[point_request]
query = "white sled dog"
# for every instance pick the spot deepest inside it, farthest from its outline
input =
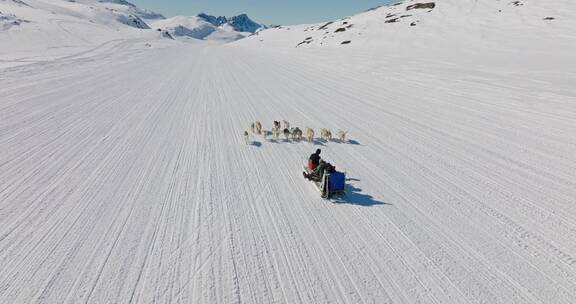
(309, 134)
(246, 137)
(253, 128)
(258, 127)
(342, 135)
(276, 129)
(325, 134)
(276, 132)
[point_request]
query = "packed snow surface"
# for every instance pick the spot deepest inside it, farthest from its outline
(125, 178)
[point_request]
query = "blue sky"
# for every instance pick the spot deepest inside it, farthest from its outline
(268, 12)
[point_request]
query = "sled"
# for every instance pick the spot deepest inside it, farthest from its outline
(331, 184)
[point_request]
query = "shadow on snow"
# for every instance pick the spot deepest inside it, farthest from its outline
(316, 142)
(354, 196)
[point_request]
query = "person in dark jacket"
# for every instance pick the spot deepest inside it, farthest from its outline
(317, 174)
(314, 160)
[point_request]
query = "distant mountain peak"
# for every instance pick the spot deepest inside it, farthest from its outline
(216, 21)
(240, 23)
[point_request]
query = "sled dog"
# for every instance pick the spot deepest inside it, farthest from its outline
(325, 134)
(342, 135)
(246, 137)
(286, 134)
(296, 133)
(276, 129)
(309, 134)
(258, 127)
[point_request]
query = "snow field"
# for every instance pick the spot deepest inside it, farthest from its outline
(137, 186)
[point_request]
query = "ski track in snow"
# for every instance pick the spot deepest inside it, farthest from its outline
(124, 178)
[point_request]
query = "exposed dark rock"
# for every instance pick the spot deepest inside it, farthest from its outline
(549, 18)
(429, 5)
(346, 42)
(307, 41)
(325, 25)
(167, 35)
(340, 30)
(242, 23)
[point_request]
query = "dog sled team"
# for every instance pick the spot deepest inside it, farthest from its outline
(328, 181)
(283, 129)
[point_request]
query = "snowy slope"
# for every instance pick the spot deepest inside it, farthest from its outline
(407, 27)
(43, 29)
(124, 177)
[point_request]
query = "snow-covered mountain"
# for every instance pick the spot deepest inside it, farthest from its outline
(420, 25)
(241, 23)
(58, 27)
(47, 28)
(209, 27)
(137, 11)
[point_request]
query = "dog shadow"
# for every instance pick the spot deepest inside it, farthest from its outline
(352, 142)
(354, 196)
(256, 144)
(319, 142)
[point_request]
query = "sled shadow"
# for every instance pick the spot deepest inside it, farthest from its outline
(354, 196)
(256, 144)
